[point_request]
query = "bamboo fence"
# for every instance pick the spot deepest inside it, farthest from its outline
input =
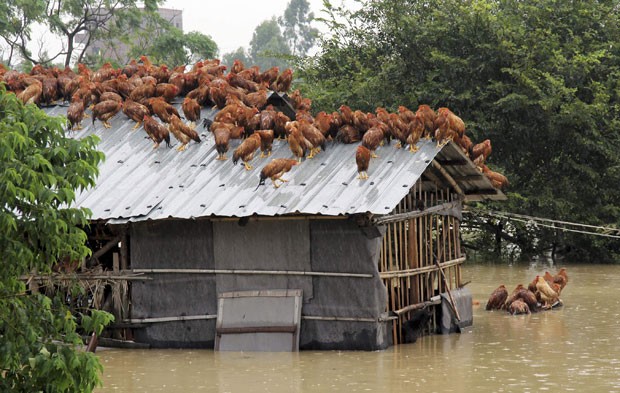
(410, 246)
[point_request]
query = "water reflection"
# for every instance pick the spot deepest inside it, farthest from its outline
(574, 348)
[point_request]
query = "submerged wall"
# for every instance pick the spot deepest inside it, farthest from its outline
(338, 246)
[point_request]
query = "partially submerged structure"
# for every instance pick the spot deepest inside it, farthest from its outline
(178, 229)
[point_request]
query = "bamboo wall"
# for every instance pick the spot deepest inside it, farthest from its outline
(410, 246)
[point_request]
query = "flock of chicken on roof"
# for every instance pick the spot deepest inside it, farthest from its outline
(541, 294)
(143, 91)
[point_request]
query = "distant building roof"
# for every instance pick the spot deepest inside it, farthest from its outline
(137, 182)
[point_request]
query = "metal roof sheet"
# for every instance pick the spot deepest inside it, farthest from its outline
(137, 182)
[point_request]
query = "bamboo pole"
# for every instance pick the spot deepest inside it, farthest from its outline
(264, 272)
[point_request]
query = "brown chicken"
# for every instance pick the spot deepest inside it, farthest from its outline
(49, 92)
(482, 149)
(405, 114)
(162, 109)
(191, 109)
(182, 132)
(105, 110)
(245, 151)
(518, 307)
(237, 66)
(513, 296)
(266, 141)
(296, 141)
(415, 130)
(143, 92)
(498, 298)
(270, 76)
(497, 179)
(32, 93)
(135, 111)
(279, 125)
(257, 99)
(428, 116)
(561, 278)
(283, 83)
(372, 139)
(449, 127)
(326, 123)
(314, 136)
(110, 95)
(156, 131)
(167, 91)
(362, 159)
(222, 137)
(75, 114)
(236, 80)
(275, 170)
(348, 134)
(399, 130)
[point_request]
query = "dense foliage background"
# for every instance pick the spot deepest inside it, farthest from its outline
(40, 343)
(537, 77)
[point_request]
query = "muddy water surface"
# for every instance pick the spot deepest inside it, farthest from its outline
(574, 348)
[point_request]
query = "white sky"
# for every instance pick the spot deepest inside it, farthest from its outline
(231, 23)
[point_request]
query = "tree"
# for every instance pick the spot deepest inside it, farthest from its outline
(298, 32)
(539, 78)
(15, 26)
(240, 54)
(41, 170)
(68, 19)
(268, 47)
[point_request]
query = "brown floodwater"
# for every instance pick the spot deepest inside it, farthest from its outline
(573, 348)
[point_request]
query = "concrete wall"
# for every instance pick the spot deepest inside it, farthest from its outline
(299, 245)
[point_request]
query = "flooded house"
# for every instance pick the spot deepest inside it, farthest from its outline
(190, 253)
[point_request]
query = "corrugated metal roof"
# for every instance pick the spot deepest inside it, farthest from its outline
(137, 182)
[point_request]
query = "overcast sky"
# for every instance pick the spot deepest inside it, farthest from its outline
(231, 23)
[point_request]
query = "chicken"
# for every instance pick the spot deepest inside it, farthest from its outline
(326, 123)
(167, 91)
(105, 110)
(405, 114)
(498, 298)
(156, 131)
(497, 179)
(110, 95)
(275, 170)
(547, 294)
(346, 115)
(237, 66)
(267, 118)
(75, 114)
(257, 99)
(561, 278)
(135, 111)
(182, 132)
(222, 137)
(518, 307)
(348, 134)
(245, 151)
(313, 135)
(449, 127)
(532, 286)
(372, 139)
(270, 76)
(279, 125)
(399, 130)
(236, 80)
(142, 93)
(162, 109)
(296, 141)
(32, 93)
(283, 83)
(428, 115)
(362, 159)
(415, 131)
(191, 109)
(482, 149)
(49, 90)
(513, 296)
(266, 140)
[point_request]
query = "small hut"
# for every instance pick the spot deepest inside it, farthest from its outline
(177, 231)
